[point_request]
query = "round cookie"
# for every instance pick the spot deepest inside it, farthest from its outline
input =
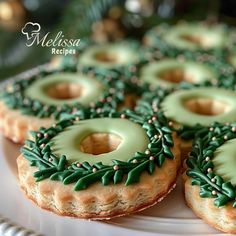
(110, 56)
(196, 36)
(191, 109)
(100, 165)
(30, 103)
(171, 72)
(120, 59)
(189, 38)
(200, 105)
(210, 178)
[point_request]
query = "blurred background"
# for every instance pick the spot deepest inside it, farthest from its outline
(103, 20)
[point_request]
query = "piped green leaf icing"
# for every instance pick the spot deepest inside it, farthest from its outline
(127, 71)
(14, 95)
(201, 167)
(156, 39)
(151, 101)
(157, 47)
(40, 154)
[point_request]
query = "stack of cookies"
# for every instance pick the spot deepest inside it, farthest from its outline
(107, 132)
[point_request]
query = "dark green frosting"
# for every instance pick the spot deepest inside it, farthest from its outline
(40, 154)
(202, 167)
(157, 47)
(127, 72)
(156, 39)
(153, 99)
(15, 95)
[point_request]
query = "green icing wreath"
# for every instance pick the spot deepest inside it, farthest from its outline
(201, 167)
(214, 58)
(224, 72)
(207, 140)
(151, 101)
(15, 98)
(158, 42)
(39, 153)
(127, 72)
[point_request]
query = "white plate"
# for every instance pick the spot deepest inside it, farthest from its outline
(170, 217)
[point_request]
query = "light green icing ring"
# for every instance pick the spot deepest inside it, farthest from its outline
(213, 36)
(199, 72)
(174, 109)
(134, 139)
(124, 55)
(225, 161)
(92, 89)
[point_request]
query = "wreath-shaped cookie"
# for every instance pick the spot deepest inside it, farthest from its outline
(119, 58)
(30, 103)
(170, 72)
(191, 107)
(161, 69)
(210, 181)
(191, 38)
(100, 165)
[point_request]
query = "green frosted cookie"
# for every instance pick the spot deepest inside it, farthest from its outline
(201, 106)
(91, 146)
(29, 103)
(109, 56)
(50, 93)
(99, 165)
(196, 36)
(190, 107)
(65, 88)
(212, 161)
(210, 182)
(190, 37)
(171, 72)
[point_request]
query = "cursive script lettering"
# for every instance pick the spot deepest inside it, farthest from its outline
(58, 41)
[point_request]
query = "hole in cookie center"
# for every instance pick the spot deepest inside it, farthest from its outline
(192, 39)
(176, 75)
(65, 91)
(100, 143)
(105, 57)
(207, 106)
